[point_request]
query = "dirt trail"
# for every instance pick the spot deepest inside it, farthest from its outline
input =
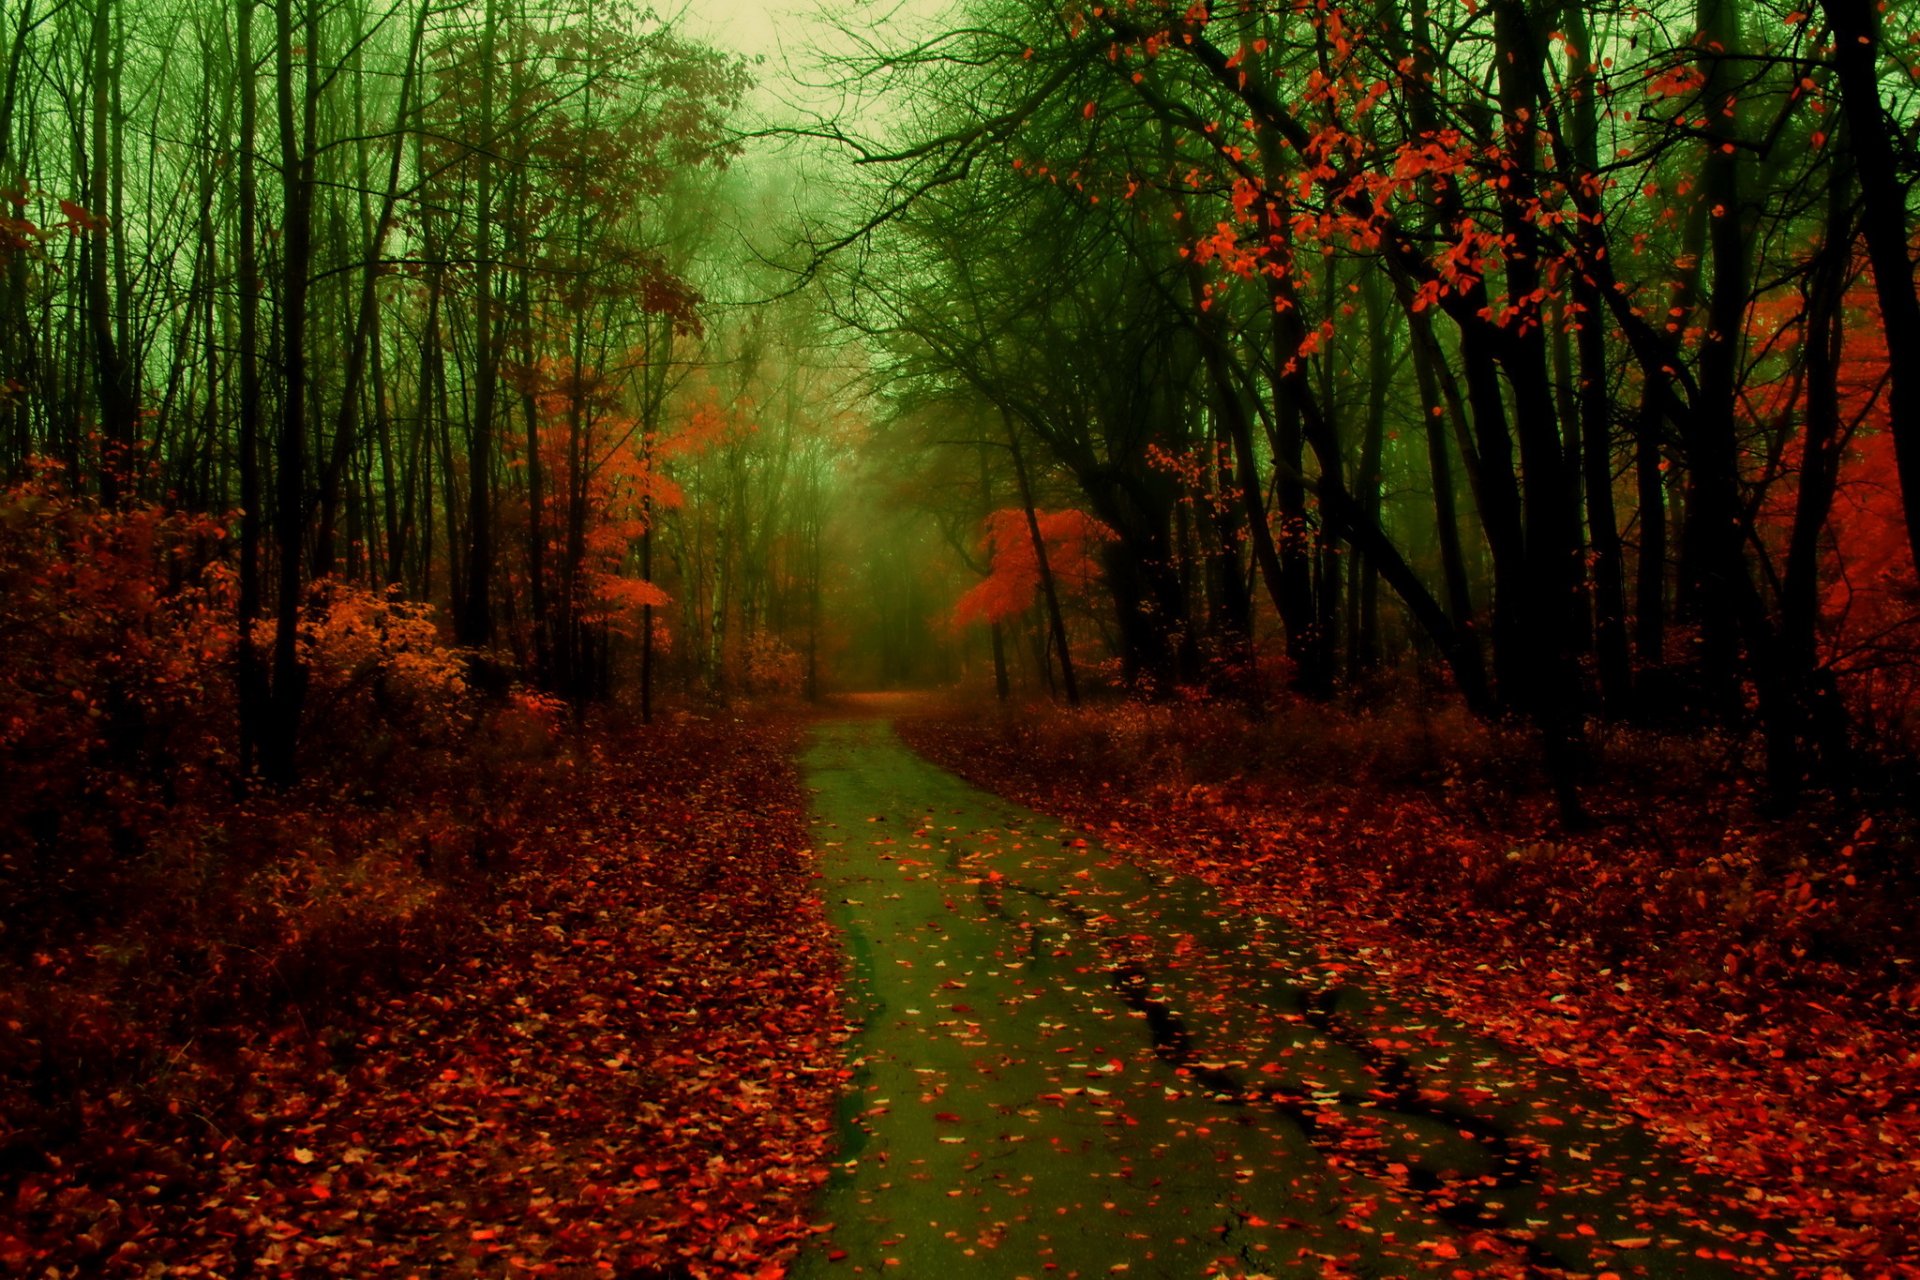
(1068, 1065)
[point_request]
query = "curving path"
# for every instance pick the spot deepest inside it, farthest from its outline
(1068, 1065)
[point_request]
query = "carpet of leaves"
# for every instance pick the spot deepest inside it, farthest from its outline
(1746, 986)
(612, 1062)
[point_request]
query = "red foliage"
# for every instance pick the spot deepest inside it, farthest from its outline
(17, 233)
(1869, 598)
(1072, 538)
(474, 995)
(113, 702)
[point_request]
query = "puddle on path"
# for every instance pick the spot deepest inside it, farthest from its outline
(1067, 1065)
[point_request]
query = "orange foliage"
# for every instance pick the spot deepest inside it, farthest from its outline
(622, 482)
(1072, 540)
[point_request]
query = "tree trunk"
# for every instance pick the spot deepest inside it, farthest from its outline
(118, 412)
(252, 673)
(1885, 221)
(1810, 709)
(474, 623)
(281, 731)
(344, 431)
(1055, 620)
(1611, 653)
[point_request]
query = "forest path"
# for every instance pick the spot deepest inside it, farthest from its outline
(1069, 1065)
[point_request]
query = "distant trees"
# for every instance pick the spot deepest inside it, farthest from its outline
(1529, 316)
(1565, 349)
(408, 287)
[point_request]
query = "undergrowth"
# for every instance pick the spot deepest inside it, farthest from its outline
(378, 1019)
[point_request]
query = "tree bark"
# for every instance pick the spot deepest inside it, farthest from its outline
(1068, 681)
(474, 623)
(296, 120)
(119, 413)
(251, 672)
(1885, 223)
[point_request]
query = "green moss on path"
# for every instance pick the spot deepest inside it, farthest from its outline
(1069, 1065)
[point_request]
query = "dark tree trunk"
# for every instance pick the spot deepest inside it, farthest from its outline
(474, 616)
(1885, 222)
(282, 729)
(252, 673)
(1810, 708)
(1055, 620)
(119, 413)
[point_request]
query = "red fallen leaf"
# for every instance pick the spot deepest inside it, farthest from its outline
(946, 1117)
(320, 1190)
(834, 1255)
(484, 1233)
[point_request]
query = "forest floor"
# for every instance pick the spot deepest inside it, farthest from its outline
(1743, 986)
(570, 1003)
(614, 1053)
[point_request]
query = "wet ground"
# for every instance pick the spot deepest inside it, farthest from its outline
(1069, 1065)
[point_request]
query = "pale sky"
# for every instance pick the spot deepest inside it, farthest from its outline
(767, 27)
(790, 34)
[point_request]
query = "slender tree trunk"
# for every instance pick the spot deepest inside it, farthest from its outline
(1811, 708)
(1613, 657)
(1229, 591)
(1001, 687)
(1650, 591)
(1055, 620)
(296, 175)
(475, 615)
(1886, 222)
(118, 411)
(252, 672)
(383, 439)
(1714, 571)
(16, 431)
(646, 614)
(537, 595)
(364, 315)
(1437, 409)
(1292, 587)
(1364, 594)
